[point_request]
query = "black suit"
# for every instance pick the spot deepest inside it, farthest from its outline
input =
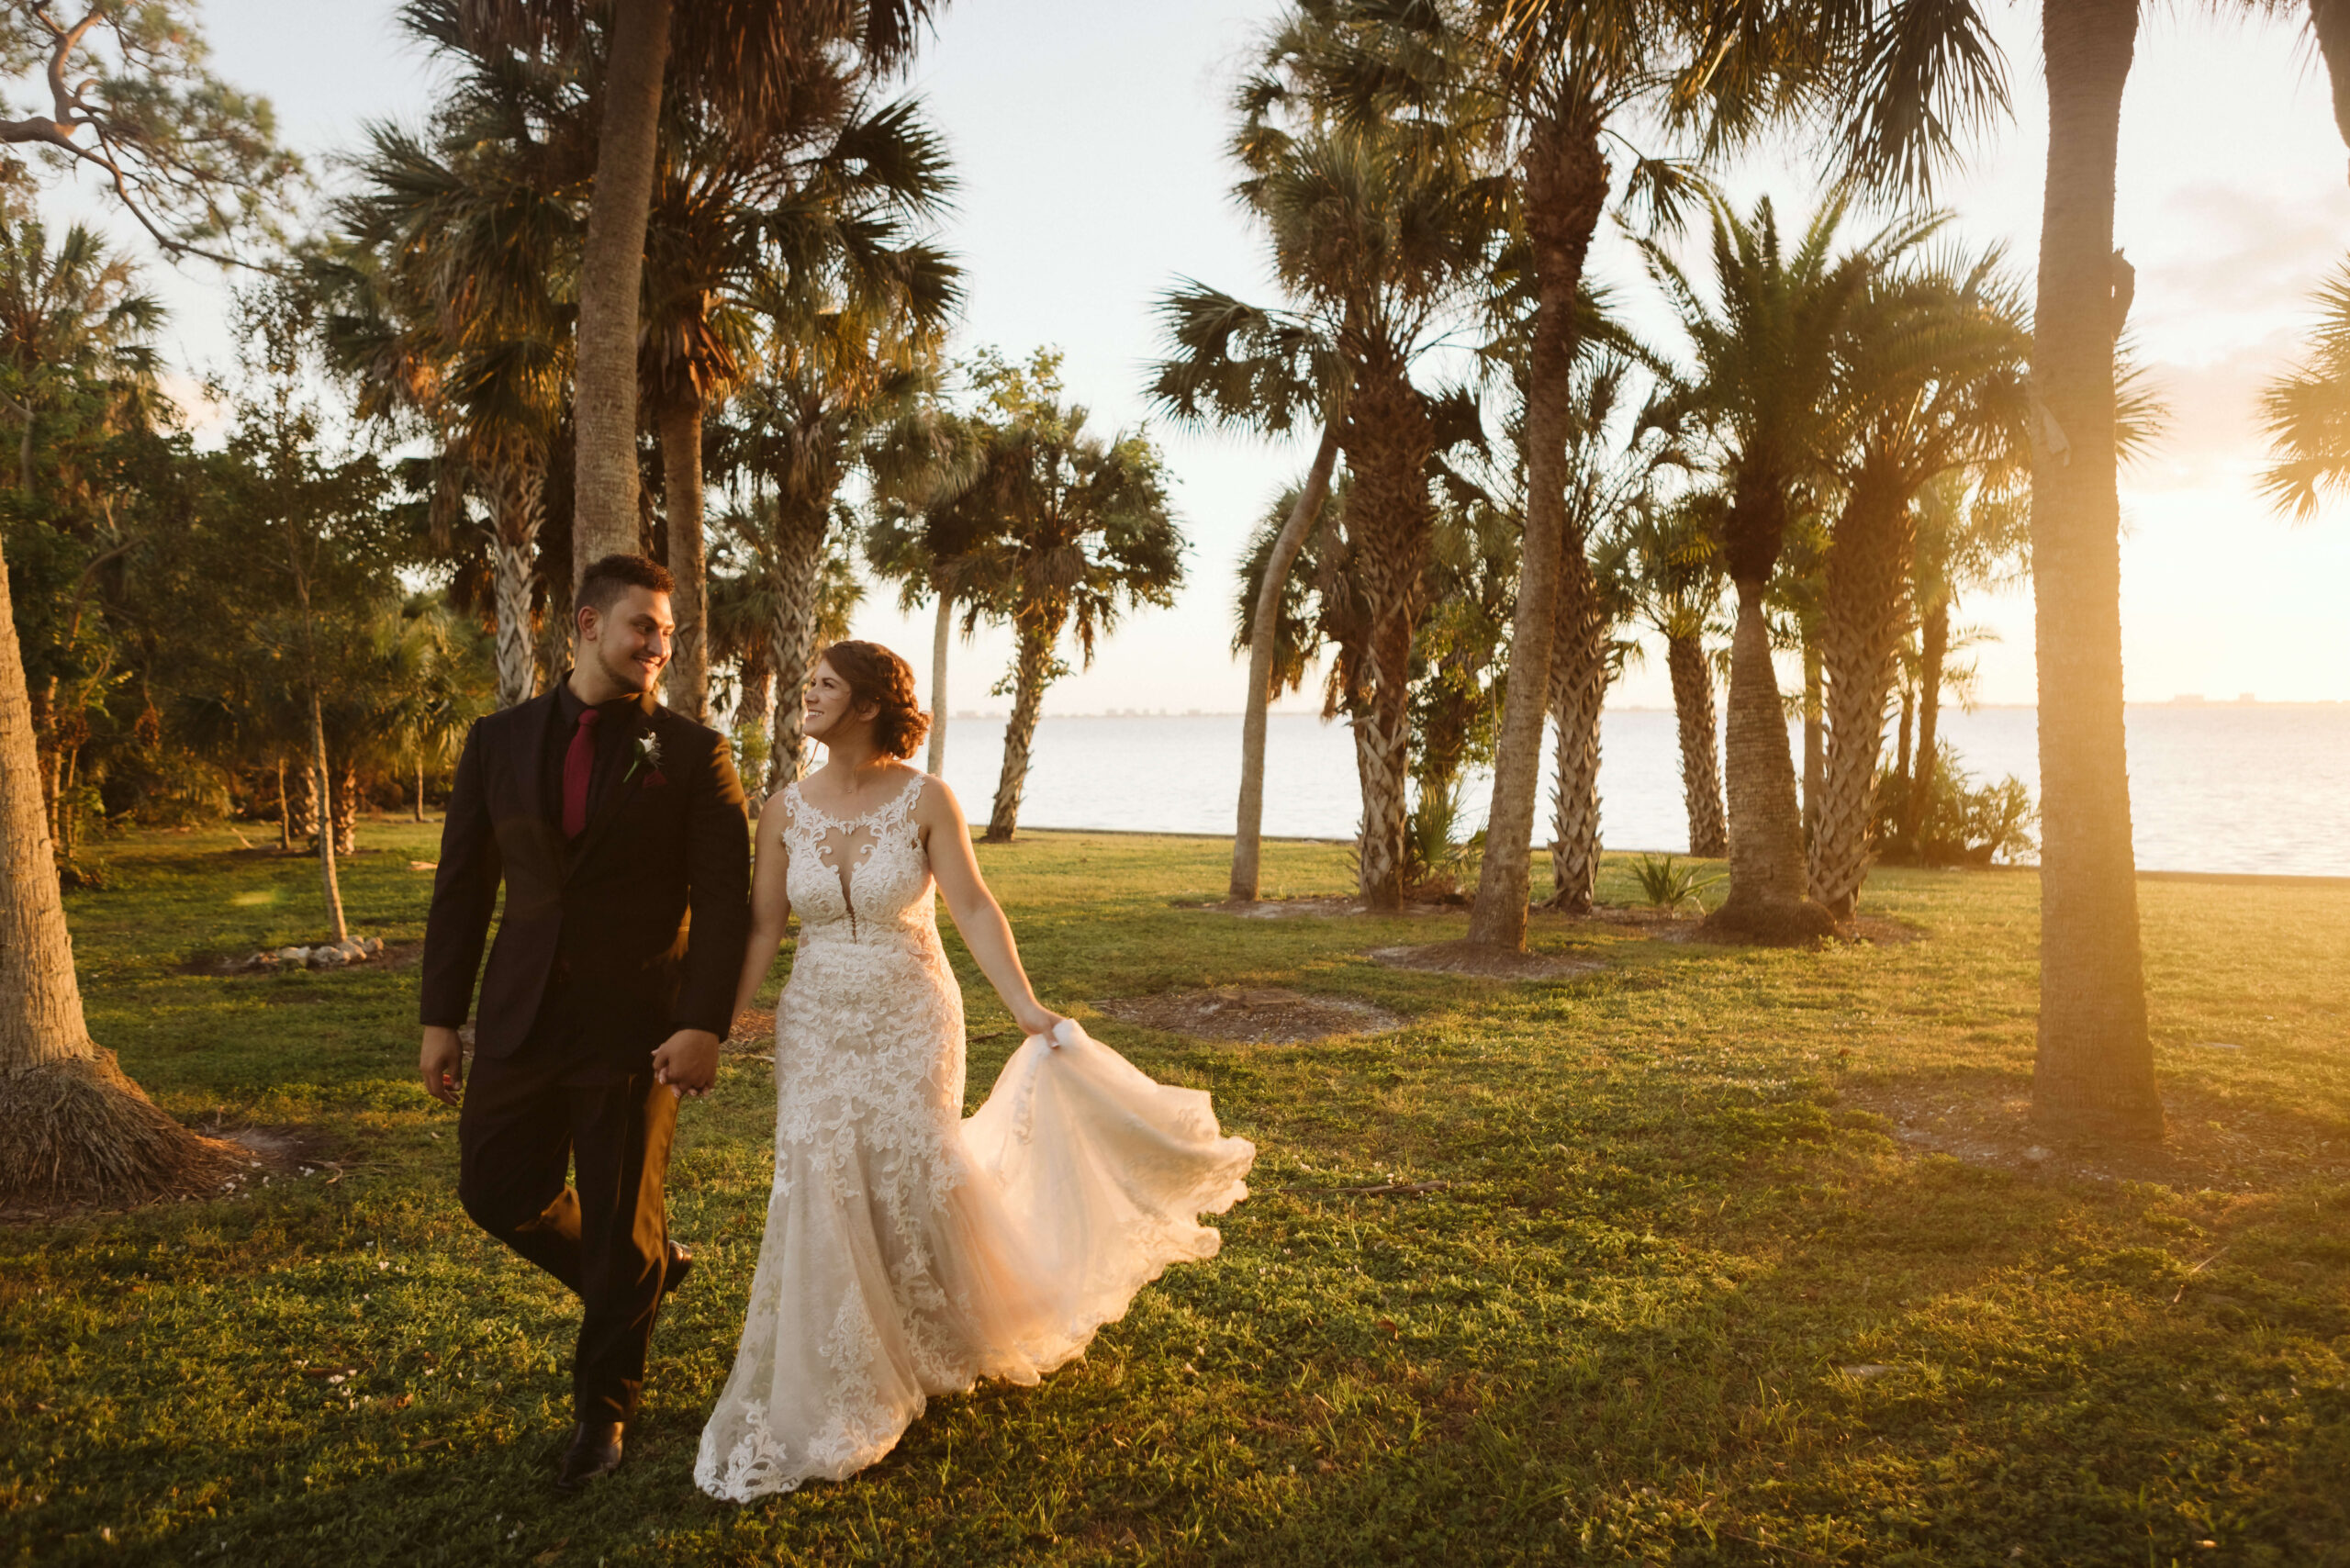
(591, 971)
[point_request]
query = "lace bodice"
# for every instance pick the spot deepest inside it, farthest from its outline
(861, 879)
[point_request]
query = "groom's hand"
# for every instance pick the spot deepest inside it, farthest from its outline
(687, 1062)
(443, 1063)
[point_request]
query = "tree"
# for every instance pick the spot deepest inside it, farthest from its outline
(1383, 234)
(750, 64)
(1086, 536)
(2306, 412)
(1766, 396)
(1668, 557)
(193, 160)
(1238, 366)
(1935, 365)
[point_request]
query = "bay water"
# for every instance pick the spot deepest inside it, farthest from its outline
(2231, 788)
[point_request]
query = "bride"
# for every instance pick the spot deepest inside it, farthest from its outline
(909, 1251)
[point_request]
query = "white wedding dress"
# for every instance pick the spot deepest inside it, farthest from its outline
(908, 1252)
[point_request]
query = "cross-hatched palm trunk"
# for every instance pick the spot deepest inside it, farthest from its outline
(611, 274)
(1032, 672)
(1578, 692)
(72, 1125)
(795, 562)
(517, 487)
(1566, 188)
(688, 687)
(1864, 618)
(1248, 828)
(1767, 875)
(1693, 710)
(2094, 1069)
(1388, 445)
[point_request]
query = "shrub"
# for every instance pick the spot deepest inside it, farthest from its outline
(1965, 824)
(1667, 883)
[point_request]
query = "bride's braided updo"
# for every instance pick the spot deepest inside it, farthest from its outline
(878, 677)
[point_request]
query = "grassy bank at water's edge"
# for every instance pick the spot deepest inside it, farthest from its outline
(1739, 1258)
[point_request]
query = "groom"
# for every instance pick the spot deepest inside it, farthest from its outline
(617, 829)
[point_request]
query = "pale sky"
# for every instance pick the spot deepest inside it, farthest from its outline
(1088, 141)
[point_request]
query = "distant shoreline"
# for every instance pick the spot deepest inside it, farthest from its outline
(2267, 878)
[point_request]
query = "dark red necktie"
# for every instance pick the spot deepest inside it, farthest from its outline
(578, 766)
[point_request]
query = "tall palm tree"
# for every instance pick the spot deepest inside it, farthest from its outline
(1935, 365)
(1383, 234)
(1239, 366)
(2306, 413)
(1086, 536)
(931, 526)
(1668, 557)
(751, 63)
(1767, 392)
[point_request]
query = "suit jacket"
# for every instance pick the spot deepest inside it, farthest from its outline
(667, 851)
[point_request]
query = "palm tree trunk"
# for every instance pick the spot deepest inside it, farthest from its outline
(940, 636)
(305, 805)
(1248, 837)
(1902, 732)
(1814, 740)
(326, 828)
(420, 785)
(345, 798)
(1566, 187)
(758, 688)
(1388, 441)
(517, 664)
(72, 1125)
(1034, 672)
(1860, 648)
(795, 564)
(611, 273)
(1933, 650)
(2094, 1072)
(284, 809)
(1578, 693)
(1693, 710)
(1766, 901)
(689, 684)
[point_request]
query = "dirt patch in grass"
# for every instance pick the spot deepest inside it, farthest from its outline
(2209, 1141)
(1261, 1015)
(1470, 958)
(754, 1033)
(1670, 926)
(231, 965)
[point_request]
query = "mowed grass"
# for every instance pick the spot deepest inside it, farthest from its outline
(1618, 1334)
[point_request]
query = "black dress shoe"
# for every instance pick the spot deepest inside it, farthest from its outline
(595, 1452)
(681, 1263)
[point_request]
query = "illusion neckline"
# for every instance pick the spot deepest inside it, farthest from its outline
(862, 818)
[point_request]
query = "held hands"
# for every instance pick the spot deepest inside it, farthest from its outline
(441, 1063)
(688, 1063)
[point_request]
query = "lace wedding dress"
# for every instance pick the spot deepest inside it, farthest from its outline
(908, 1252)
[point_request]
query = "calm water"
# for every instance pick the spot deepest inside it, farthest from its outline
(2215, 789)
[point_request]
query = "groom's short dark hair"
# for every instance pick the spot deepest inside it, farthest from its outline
(606, 580)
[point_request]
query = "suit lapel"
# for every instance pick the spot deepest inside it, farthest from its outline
(530, 739)
(623, 787)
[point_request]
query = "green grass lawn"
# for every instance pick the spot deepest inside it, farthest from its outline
(1680, 1201)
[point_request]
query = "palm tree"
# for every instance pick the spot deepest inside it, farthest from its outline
(929, 533)
(1935, 363)
(751, 63)
(1382, 235)
(1668, 558)
(1085, 535)
(1548, 86)
(1239, 366)
(1768, 393)
(2306, 412)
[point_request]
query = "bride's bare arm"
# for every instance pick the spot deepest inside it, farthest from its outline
(976, 915)
(770, 903)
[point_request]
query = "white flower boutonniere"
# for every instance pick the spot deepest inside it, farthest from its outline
(647, 757)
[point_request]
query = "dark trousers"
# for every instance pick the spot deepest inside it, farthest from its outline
(525, 1121)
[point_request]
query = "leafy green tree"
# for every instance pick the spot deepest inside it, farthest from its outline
(1086, 536)
(1667, 557)
(1768, 408)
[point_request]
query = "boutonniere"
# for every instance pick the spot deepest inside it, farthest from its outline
(646, 759)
